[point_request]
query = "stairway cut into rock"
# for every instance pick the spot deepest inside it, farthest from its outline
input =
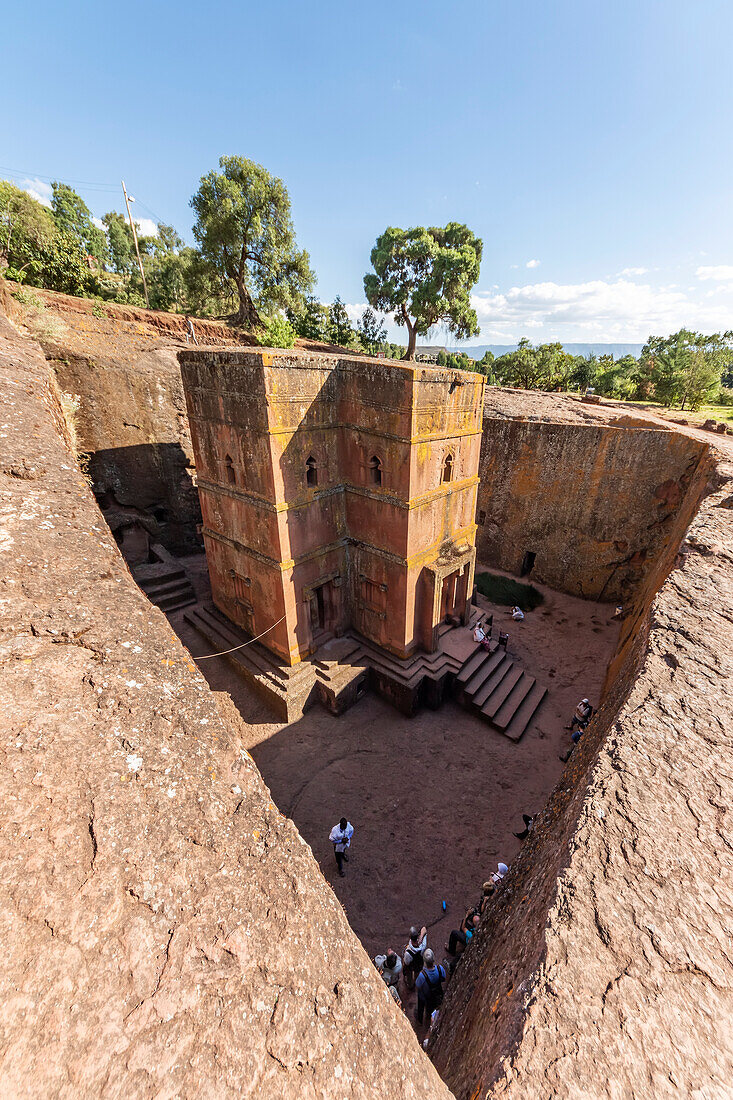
(495, 686)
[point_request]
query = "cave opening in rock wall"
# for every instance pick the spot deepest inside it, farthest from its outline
(591, 513)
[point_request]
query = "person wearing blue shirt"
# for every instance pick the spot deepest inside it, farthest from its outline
(429, 986)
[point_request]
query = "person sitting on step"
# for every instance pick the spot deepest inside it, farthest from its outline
(461, 936)
(582, 716)
(479, 636)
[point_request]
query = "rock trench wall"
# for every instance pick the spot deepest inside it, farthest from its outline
(165, 930)
(131, 422)
(595, 503)
(603, 968)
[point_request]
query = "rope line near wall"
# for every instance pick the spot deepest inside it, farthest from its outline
(236, 647)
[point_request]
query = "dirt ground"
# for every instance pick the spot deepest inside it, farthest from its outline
(435, 799)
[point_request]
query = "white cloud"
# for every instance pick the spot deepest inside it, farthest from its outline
(38, 190)
(532, 263)
(722, 272)
(627, 271)
(601, 310)
(146, 227)
(98, 222)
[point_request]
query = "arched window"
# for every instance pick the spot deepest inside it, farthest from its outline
(448, 467)
(231, 472)
(311, 471)
(375, 470)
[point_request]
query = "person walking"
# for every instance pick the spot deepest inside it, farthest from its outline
(190, 334)
(340, 836)
(429, 986)
(412, 958)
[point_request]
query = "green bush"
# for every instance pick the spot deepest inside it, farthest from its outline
(28, 298)
(505, 591)
(278, 333)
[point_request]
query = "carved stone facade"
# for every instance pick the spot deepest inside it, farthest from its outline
(336, 494)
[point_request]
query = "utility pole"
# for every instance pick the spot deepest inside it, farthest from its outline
(134, 236)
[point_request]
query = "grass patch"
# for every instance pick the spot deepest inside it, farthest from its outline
(505, 591)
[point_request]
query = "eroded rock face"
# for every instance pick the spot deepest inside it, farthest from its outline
(165, 930)
(594, 504)
(604, 968)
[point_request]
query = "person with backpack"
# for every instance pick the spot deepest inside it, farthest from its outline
(412, 958)
(429, 986)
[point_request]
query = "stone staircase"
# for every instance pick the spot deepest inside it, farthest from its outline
(496, 687)
(489, 683)
(288, 689)
(164, 581)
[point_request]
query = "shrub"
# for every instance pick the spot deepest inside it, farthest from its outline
(505, 591)
(278, 333)
(28, 298)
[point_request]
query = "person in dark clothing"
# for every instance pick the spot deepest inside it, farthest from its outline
(462, 935)
(528, 822)
(412, 960)
(429, 986)
(574, 737)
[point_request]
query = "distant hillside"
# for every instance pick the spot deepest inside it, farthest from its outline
(617, 350)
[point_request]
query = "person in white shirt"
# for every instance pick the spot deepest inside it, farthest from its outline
(498, 875)
(390, 967)
(340, 836)
(582, 716)
(479, 636)
(517, 614)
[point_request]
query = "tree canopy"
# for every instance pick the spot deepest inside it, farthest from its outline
(425, 276)
(26, 232)
(685, 368)
(245, 234)
(73, 216)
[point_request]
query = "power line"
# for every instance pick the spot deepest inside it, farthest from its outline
(52, 179)
(101, 187)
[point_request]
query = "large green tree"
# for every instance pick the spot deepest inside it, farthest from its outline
(73, 216)
(425, 277)
(245, 233)
(121, 242)
(340, 331)
(685, 368)
(372, 331)
(26, 231)
(310, 321)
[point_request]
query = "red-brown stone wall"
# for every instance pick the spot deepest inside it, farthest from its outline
(594, 503)
(272, 411)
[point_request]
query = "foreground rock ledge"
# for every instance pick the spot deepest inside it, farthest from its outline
(166, 931)
(605, 968)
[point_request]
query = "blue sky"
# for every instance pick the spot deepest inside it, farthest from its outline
(588, 142)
